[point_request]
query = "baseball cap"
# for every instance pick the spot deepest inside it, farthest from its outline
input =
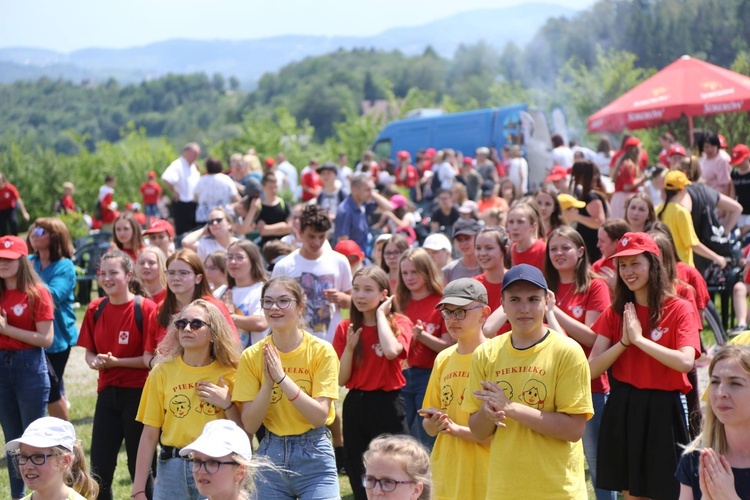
(676, 150)
(632, 142)
(383, 237)
(328, 166)
(634, 244)
(13, 247)
(350, 250)
(466, 226)
(739, 153)
(568, 201)
(483, 151)
(462, 292)
(269, 162)
(468, 160)
(430, 153)
(403, 155)
(488, 187)
(676, 179)
(398, 201)
(152, 175)
(46, 432)
(556, 173)
(219, 438)
(160, 226)
(468, 207)
(524, 272)
(437, 241)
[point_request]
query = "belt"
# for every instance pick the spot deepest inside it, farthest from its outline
(168, 452)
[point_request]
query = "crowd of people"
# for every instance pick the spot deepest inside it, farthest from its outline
(487, 340)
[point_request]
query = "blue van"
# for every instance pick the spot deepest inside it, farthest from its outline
(469, 130)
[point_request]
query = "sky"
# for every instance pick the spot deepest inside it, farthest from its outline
(74, 24)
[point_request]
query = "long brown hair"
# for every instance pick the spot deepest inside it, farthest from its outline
(425, 266)
(583, 273)
(292, 286)
(257, 272)
(358, 318)
(556, 218)
(658, 290)
(651, 218)
(202, 289)
(400, 241)
(137, 241)
(60, 244)
(27, 281)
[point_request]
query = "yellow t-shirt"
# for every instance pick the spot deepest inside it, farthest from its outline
(169, 400)
(680, 222)
(552, 376)
(313, 366)
(459, 467)
(741, 339)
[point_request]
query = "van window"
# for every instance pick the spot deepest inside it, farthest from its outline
(382, 149)
(513, 130)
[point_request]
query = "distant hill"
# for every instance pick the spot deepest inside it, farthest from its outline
(248, 60)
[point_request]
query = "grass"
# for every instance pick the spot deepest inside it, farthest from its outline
(80, 384)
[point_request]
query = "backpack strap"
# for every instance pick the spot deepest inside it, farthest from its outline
(100, 309)
(137, 311)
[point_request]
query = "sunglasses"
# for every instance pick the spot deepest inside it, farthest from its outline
(38, 231)
(195, 324)
(217, 220)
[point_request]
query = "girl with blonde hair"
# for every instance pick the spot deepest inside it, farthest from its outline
(151, 270)
(397, 465)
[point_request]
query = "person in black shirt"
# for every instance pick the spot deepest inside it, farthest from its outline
(446, 213)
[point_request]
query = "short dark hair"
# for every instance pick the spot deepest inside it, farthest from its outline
(268, 177)
(214, 166)
(316, 218)
(557, 141)
(108, 178)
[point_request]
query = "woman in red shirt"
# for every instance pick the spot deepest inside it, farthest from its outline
(151, 270)
(492, 248)
(128, 237)
(26, 327)
(525, 231)
(112, 336)
(419, 290)
(10, 200)
(371, 347)
(649, 338)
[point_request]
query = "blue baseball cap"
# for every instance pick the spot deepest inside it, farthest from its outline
(525, 272)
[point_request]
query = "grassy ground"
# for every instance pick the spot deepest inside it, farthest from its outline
(80, 384)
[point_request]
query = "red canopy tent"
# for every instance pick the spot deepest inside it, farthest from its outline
(688, 87)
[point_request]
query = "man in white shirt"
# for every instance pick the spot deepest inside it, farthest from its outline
(181, 176)
(290, 173)
(518, 170)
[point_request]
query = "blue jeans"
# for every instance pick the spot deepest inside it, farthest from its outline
(413, 393)
(306, 467)
(591, 440)
(174, 479)
(24, 389)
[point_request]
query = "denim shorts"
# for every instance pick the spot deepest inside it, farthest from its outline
(174, 480)
(305, 467)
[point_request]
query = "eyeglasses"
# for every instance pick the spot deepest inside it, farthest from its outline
(282, 303)
(211, 466)
(236, 257)
(393, 254)
(195, 324)
(36, 459)
(459, 314)
(217, 220)
(386, 485)
(38, 231)
(179, 274)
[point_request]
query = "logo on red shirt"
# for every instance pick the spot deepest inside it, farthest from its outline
(657, 333)
(123, 338)
(18, 308)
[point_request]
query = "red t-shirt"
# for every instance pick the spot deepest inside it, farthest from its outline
(108, 215)
(603, 262)
(534, 256)
(16, 306)
(412, 176)
(421, 356)
(677, 329)
(694, 278)
(8, 196)
(501, 169)
(626, 175)
(576, 305)
(494, 291)
(116, 331)
(310, 180)
(373, 371)
(150, 192)
(687, 292)
(643, 162)
(159, 297)
(67, 203)
(155, 332)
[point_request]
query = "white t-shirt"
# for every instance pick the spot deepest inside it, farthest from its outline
(330, 271)
(247, 300)
(208, 244)
(518, 172)
(184, 177)
(215, 190)
(562, 156)
(291, 175)
(345, 174)
(446, 173)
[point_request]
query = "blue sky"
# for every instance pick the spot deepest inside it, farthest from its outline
(68, 25)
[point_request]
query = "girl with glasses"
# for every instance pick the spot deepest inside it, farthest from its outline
(189, 387)
(216, 272)
(397, 467)
(151, 270)
(419, 290)
(127, 235)
(393, 249)
(51, 461)
(371, 345)
(242, 294)
(50, 241)
(287, 382)
(215, 235)
(112, 336)
(185, 283)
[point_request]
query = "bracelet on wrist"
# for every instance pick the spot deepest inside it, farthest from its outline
(151, 362)
(231, 404)
(138, 493)
(624, 344)
(299, 390)
(282, 379)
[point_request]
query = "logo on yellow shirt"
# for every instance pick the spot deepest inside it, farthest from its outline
(446, 397)
(179, 405)
(534, 394)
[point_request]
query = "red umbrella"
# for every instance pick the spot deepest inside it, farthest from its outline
(688, 87)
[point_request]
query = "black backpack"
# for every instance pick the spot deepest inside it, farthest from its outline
(137, 311)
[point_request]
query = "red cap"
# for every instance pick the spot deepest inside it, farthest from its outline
(556, 173)
(722, 142)
(632, 142)
(350, 250)
(160, 226)
(739, 153)
(468, 160)
(269, 162)
(676, 150)
(152, 175)
(128, 206)
(13, 247)
(430, 153)
(403, 155)
(634, 244)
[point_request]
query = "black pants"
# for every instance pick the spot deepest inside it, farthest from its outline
(367, 415)
(114, 420)
(184, 216)
(8, 222)
(56, 367)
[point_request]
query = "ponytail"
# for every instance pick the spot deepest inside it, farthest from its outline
(670, 193)
(78, 476)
